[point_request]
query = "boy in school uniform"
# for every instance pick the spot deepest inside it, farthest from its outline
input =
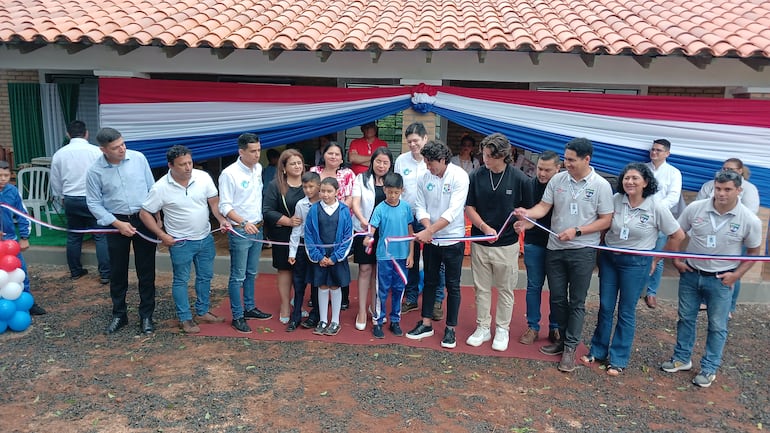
(311, 183)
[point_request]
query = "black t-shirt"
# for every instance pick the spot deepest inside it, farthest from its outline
(495, 196)
(533, 193)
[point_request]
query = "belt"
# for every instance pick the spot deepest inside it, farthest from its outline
(710, 274)
(126, 217)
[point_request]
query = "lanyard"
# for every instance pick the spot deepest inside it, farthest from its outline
(626, 217)
(714, 223)
(572, 192)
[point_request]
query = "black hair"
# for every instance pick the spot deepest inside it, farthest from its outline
(331, 181)
(393, 180)
(436, 150)
(416, 128)
(311, 176)
(581, 146)
(663, 142)
(106, 136)
(723, 176)
(647, 174)
(325, 149)
(377, 152)
(498, 145)
(176, 151)
(77, 129)
(247, 138)
(550, 155)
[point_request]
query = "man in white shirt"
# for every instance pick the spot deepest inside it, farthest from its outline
(69, 167)
(669, 193)
(185, 195)
(440, 205)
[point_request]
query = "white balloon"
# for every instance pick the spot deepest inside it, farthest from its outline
(11, 291)
(4, 278)
(17, 276)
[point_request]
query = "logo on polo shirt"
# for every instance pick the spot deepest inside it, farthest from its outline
(430, 186)
(245, 184)
(447, 189)
(407, 171)
(644, 218)
(734, 227)
(589, 193)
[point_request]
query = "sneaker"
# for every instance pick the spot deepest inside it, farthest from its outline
(479, 336)
(241, 326)
(408, 306)
(449, 341)
(377, 331)
(553, 349)
(320, 328)
(254, 313)
(528, 337)
(704, 380)
(673, 366)
(332, 329)
(396, 329)
(37, 310)
(438, 311)
(554, 335)
(420, 331)
(567, 363)
(500, 343)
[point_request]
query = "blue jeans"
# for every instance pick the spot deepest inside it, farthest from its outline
(412, 289)
(244, 266)
(184, 254)
(534, 261)
(653, 281)
(621, 281)
(694, 288)
(451, 256)
(569, 275)
(390, 282)
(79, 217)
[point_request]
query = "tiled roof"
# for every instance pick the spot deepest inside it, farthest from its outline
(642, 27)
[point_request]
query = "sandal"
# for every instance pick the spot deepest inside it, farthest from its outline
(590, 359)
(614, 371)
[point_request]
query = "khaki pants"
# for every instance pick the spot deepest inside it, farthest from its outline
(499, 267)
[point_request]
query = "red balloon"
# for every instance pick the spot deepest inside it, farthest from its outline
(9, 263)
(9, 247)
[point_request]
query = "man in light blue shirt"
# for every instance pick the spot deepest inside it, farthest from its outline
(116, 186)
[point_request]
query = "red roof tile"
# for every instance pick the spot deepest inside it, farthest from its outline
(656, 27)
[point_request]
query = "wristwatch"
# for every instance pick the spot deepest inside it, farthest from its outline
(578, 232)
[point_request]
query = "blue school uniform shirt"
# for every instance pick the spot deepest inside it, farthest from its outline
(392, 221)
(10, 196)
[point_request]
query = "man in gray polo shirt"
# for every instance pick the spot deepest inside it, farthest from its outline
(717, 226)
(582, 209)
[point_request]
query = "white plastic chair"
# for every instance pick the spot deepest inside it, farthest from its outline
(34, 187)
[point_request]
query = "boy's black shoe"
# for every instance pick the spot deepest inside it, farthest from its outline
(377, 331)
(395, 328)
(310, 323)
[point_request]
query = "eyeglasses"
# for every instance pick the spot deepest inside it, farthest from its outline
(727, 174)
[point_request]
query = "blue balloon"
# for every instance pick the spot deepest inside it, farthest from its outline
(7, 308)
(3, 326)
(24, 302)
(20, 321)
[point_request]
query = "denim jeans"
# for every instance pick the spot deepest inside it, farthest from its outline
(534, 261)
(184, 255)
(79, 217)
(653, 281)
(244, 266)
(694, 289)
(412, 289)
(451, 256)
(621, 281)
(569, 276)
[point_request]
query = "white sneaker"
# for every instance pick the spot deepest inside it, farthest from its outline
(500, 343)
(479, 336)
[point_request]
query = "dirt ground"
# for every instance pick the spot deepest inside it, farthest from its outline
(64, 375)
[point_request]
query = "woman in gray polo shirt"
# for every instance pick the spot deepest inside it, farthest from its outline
(622, 276)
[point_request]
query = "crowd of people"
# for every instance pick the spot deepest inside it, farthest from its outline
(403, 221)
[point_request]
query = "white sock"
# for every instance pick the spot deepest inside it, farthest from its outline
(336, 304)
(323, 304)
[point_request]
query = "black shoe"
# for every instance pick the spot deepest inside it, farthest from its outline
(553, 349)
(449, 341)
(104, 280)
(241, 326)
(79, 274)
(37, 310)
(254, 313)
(345, 306)
(395, 328)
(116, 324)
(420, 331)
(291, 327)
(310, 323)
(377, 331)
(147, 326)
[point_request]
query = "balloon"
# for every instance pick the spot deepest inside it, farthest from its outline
(17, 275)
(20, 321)
(4, 278)
(11, 291)
(3, 326)
(9, 263)
(10, 248)
(23, 302)
(7, 309)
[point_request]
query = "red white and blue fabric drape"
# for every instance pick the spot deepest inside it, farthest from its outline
(208, 117)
